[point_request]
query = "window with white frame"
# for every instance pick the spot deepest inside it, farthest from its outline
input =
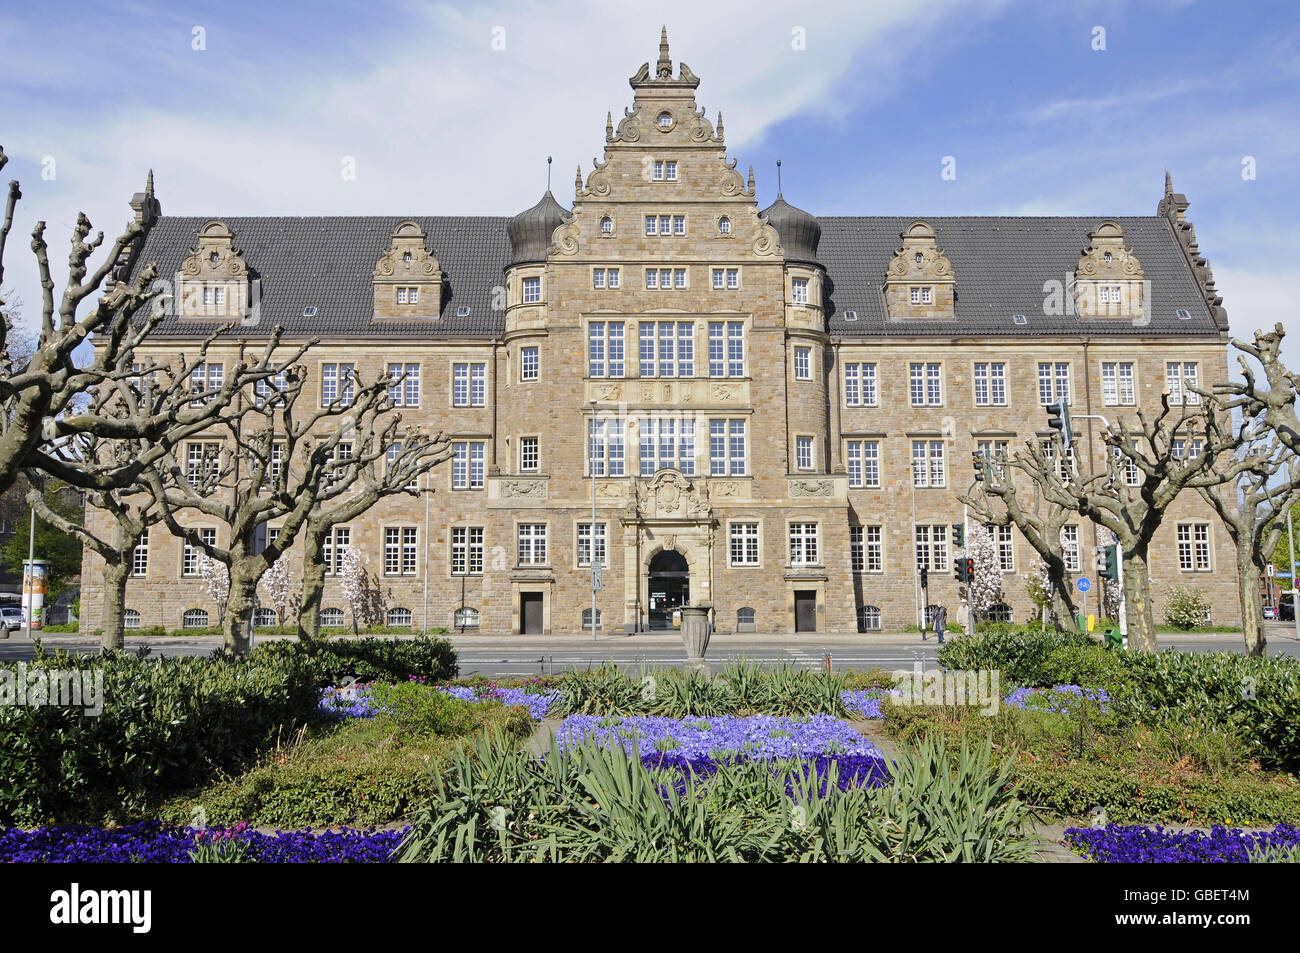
(269, 389)
(1070, 547)
(666, 349)
(213, 295)
(803, 363)
(195, 619)
(1186, 449)
(331, 618)
(1131, 475)
(400, 550)
(340, 456)
(667, 443)
(727, 447)
(866, 549)
(1053, 382)
(928, 466)
(529, 363)
(724, 225)
(931, 547)
(532, 290)
(337, 382)
(1117, 388)
(332, 550)
(606, 453)
(605, 355)
(1194, 547)
(467, 461)
(860, 385)
(467, 550)
(990, 384)
(995, 452)
(529, 454)
(869, 619)
(532, 544)
(864, 463)
(1006, 548)
(140, 556)
(799, 290)
(202, 461)
(605, 278)
(468, 385)
(726, 349)
(1066, 467)
(607, 226)
(404, 391)
(726, 279)
(803, 452)
(205, 381)
(584, 545)
(130, 619)
(665, 171)
(744, 545)
(190, 553)
(408, 294)
(1180, 378)
(398, 618)
(926, 384)
(803, 544)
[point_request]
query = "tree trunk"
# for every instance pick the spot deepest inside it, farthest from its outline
(237, 618)
(1252, 604)
(1062, 601)
(313, 585)
(1137, 599)
(112, 635)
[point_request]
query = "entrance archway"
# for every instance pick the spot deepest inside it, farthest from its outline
(670, 587)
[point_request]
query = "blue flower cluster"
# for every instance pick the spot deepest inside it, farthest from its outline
(853, 770)
(537, 705)
(862, 703)
(150, 842)
(1057, 699)
(351, 702)
(755, 737)
(1119, 844)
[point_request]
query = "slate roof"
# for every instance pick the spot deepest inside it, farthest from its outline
(1000, 264)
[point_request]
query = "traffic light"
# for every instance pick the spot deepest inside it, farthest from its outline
(1108, 562)
(959, 535)
(980, 463)
(1058, 418)
(970, 569)
(925, 578)
(963, 569)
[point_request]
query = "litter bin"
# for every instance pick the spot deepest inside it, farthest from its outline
(1113, 639)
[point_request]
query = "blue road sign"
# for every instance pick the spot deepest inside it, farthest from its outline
(1282, 575)
(1083, 585)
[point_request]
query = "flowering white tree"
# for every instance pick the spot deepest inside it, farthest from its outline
(217, 577)
(1038, 584)
(355, 584)
(278, 583)
(986, 587)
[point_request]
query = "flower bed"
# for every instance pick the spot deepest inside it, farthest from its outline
(852, 770)
(756, 737)
(1058, 699)
(355, 702)
(864, 703)
(151, 843)
(1118, 844)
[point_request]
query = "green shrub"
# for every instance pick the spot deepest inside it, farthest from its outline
(368, 660)
(857, 680)
(422, 709)
(167, 723)
(1019, 653)
(1187, 607)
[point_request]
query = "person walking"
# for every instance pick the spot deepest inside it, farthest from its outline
(940, 622)
(963, 613)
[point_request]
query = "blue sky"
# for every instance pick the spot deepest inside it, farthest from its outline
(453, 110)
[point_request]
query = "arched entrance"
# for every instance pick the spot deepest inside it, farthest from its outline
(670, 587)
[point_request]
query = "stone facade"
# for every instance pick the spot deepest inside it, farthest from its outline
(749, 301)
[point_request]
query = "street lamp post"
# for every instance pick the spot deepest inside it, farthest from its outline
(591, 534)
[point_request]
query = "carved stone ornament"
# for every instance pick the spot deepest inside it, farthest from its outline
(724, 393)
(523, 489)
(920, 258)
(802, 488)
(214, 256)
(1106, 257)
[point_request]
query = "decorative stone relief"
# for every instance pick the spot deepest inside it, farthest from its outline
(406, 264)
(804, 488)
(1108, 278)
(523, 489)
(919, 282)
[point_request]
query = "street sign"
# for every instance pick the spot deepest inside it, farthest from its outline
(1084, 584)
(595, 579)
(1283, 575)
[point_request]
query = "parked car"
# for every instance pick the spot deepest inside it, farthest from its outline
(1270, 612)
(11, 617)
(1286, 609)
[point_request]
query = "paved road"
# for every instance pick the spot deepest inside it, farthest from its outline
(501, 656)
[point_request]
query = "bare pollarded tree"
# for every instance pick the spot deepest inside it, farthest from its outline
(275, 466)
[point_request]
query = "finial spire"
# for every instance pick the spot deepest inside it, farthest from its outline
(148, 185)
(778, 178)
(577, 180)
(719, 123)
(548, 173)
(1169, 184)
(751, 180)
(609, 125)
(664, 68)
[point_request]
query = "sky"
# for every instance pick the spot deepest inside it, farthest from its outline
(1040, 108)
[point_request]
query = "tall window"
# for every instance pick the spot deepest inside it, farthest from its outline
(926, 384)
(140, 556)
(1194, 547)
(1053, 382)
(1070, 547)
(990, 384)
(605, 450)
(332, 550)
(744, 544)
(584, 544)
(467, 550)
(468, 385)
(529, 454)
(803, 544)
(928, 467)
(799, 290)
(1006, 548)
(190, 554)
(1128, 467)
(529, 363)
(667, 349)
(1180, 378)
(803, 364)
(803, 453)
(337, 382)
(202, 461)
(860, 385)
(532, 544)
(932, 547)
(205, 379)
(400, 550)
(1066, 465)
(726, 349)
(666, 443)
(467, 465)
(532, 290)
(1117, 384)
(866, 551)
(404, 391)
(268, 389)
(605, 349)
(727, 448)
(864, 463)
(995, 452)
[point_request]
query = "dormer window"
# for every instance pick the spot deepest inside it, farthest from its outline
(916, 296)
(214, 296)
(665, 172)
(1108, 281)
(919, 282)
(408, 294)
(407, 278)
(927, 295)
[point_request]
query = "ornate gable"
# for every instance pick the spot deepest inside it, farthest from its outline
(920, 282)
(407, 278)
(214, 277)
(1108, 279)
